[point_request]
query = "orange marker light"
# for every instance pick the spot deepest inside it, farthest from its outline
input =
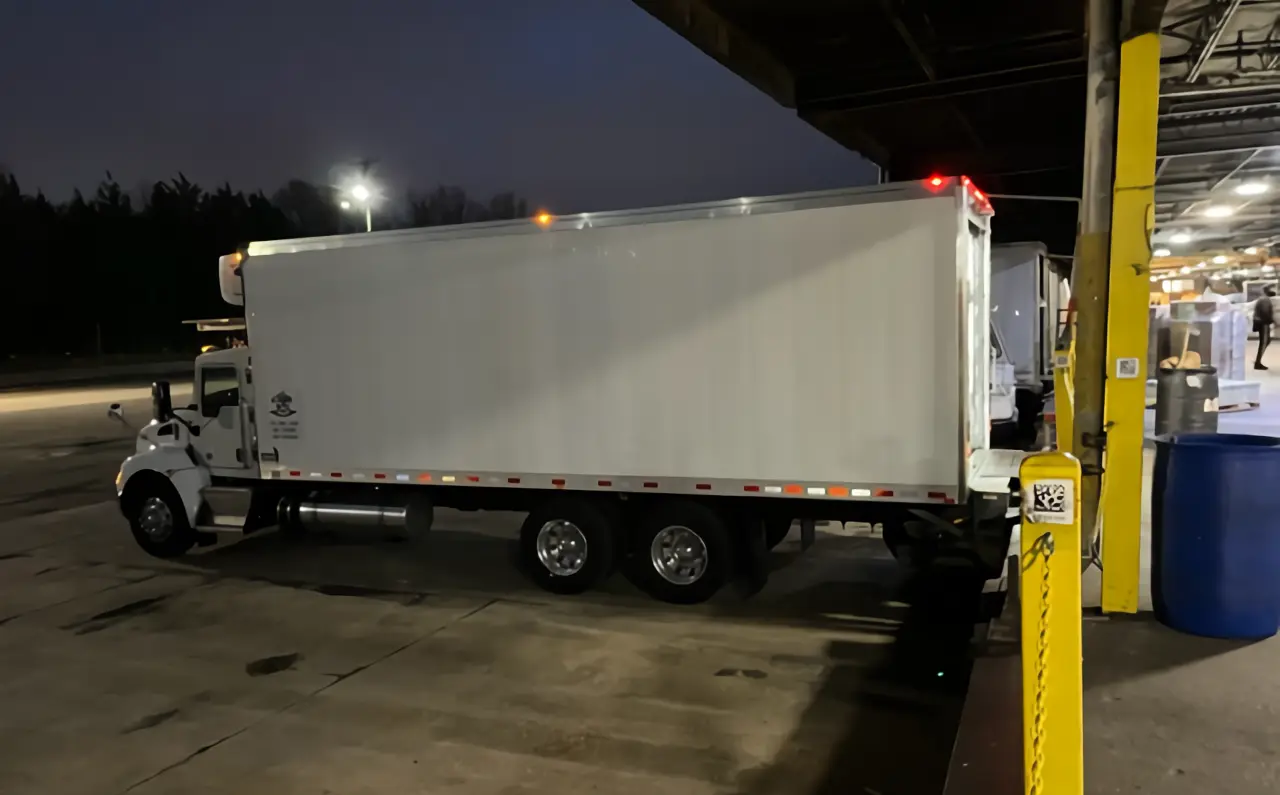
(543, 219)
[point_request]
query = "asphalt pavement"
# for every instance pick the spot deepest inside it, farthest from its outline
(58, 448)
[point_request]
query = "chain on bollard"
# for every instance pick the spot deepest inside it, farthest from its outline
(1041, 549)
(1050, 609)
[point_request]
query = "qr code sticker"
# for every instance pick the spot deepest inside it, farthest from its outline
(1127, 368)
(1050, 497)
(1052, 502)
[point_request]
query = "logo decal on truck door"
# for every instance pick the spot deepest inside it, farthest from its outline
(282, 403)
(283, 428)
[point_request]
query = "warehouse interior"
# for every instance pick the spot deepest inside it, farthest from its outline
(1140, 143)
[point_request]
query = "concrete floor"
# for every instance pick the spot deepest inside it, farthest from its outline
(1172, 713)
(342, 664)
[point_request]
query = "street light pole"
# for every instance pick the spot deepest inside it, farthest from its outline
(364, 196)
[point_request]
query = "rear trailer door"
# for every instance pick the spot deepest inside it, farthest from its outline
(975, 332)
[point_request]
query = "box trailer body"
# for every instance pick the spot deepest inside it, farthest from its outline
(1026, 298)
(1028, 292)
(747, 353)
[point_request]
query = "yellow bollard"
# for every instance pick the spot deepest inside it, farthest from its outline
(1049, 593)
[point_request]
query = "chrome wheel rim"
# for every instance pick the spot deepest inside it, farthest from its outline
(155, 519)
(562, 548)
(679, 555)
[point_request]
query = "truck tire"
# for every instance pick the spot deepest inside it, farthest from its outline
(568, 545)
(157, 518)
(681, 553)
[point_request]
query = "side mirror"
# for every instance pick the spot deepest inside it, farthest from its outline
(161, 401)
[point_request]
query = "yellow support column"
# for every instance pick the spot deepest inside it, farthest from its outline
(1049, 593)
(1132, 219)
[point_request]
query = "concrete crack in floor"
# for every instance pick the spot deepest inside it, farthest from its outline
(134, 581)
(337, 678)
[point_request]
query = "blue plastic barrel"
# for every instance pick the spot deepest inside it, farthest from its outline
(1215, 533)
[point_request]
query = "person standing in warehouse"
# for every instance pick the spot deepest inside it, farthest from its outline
(1264, 314)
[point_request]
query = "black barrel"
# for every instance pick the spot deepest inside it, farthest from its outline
(1186, 401)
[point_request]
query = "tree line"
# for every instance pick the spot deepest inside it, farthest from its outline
(116, 271)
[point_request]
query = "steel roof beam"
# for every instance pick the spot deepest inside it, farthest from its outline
(1191, 110)
(999, 80)
(1221, 90)
(1227, 143)
(1216, 28)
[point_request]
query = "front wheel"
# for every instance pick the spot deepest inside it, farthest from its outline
(682, 553)
(159, 523)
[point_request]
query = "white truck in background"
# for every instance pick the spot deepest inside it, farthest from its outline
(664, 388)
(1028, 291)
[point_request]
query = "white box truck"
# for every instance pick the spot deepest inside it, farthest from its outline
(666, 389)
(1028, 291)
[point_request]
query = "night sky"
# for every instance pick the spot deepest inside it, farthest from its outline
(575, 104)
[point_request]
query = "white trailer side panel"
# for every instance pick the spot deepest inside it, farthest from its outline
(768, 346)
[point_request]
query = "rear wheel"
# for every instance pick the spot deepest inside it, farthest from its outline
(568, 545)
(158, 520)
(682, 553)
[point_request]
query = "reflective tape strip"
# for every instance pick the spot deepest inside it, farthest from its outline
(789, 490)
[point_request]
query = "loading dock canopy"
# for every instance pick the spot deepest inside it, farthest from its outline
(1219, 125)
(995, 90)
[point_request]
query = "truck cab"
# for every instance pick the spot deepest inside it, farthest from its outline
(223, 411)
(186, 473)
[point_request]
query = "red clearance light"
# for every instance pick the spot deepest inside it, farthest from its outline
(980, 198)
(936, 182)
